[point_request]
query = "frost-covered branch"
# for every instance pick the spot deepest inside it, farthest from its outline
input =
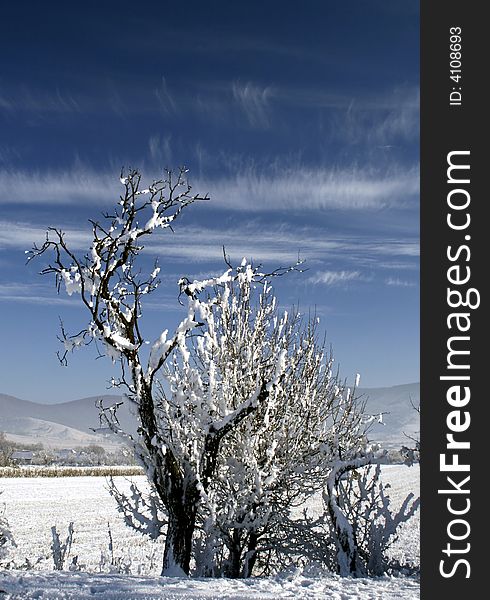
(361, 522)
(112, 288)
(141, 511)
(110, 285)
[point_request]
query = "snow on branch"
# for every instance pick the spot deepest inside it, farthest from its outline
(106, 277)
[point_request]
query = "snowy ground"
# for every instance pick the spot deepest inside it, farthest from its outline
(33, 506)
(82, 586)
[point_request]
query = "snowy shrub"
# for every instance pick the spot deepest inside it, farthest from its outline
(296, 419)
(6, 539)
(357, 527)
(360, 521)
(61, 550)
(111, 562)
(6, 449)
(409, 456)
(143, 511)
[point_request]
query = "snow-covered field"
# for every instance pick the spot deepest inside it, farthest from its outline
(33, 506)
(81, 586)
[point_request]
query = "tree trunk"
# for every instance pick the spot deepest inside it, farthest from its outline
(233, 568)
(251, 555)
(178, 544)
(347, 555)
(182, 513)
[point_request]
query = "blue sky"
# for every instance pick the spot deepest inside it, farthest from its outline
(301, 121)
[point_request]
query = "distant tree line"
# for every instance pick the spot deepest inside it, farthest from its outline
(91, 455)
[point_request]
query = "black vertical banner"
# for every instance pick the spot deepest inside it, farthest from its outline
(455, 171)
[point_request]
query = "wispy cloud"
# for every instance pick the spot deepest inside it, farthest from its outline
(284, 188)
(25, 99)
(21, 236)
(258, 241)
(394, 120)
(253, 100)
(395, 281)
(8, 153)
(403, 123)
(398, 265)
(231, 42)
(160, 149)
(100, 97)
(334, 277)
(165, 98)
(318, 97)
(33, 293)
(78, 184)
(250, 188)
(280, 244)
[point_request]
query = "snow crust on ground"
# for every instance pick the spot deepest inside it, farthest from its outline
(84, 586)
(33, 506)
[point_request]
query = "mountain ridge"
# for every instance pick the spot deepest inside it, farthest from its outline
(394, 403)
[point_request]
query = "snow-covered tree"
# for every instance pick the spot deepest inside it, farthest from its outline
(213, 381)
(111, 286)
(6, 449)
(281, 453)
(359, 517)
(182, 423)
(253, 406)
(259, 384)
(411, 454)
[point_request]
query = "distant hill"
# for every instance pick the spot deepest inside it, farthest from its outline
(71, 424)
(80, 414)
(28, 430)
(67, 424)
(400, 419)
